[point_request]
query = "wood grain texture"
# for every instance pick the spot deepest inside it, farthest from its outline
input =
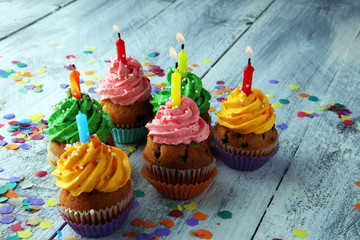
(16, 15)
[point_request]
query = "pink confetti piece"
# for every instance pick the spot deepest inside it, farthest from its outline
(221, 99)
(176, 213)
(302, 114)
(1, 138)
(347, 122)
(70, 56)
(17, 227)
(69, 67)
(220, 82)
(13, 123)
(37, 137)
(41, 173)
(15, 62)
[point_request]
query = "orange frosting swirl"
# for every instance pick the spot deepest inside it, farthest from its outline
(92, 166)
(247, 114)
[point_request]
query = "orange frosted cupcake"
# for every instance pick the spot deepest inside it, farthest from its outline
(245, 136)
(97, 192)
(177, 159)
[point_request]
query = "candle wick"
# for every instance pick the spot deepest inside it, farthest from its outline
(73, 66)
(78, 104)
(182, 46)
(119, 35)
(249, 61)
(176, 65)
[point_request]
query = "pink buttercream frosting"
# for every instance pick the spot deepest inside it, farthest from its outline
(124, 84)
(179, 125)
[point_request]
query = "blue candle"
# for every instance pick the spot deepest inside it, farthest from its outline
(83, 127)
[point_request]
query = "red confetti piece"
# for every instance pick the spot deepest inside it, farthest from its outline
(304, 95)
(357, 183)
(175, 213)
(202, 233)
(220, 82)
(347, 122)
(200, 216)
(221, 99)
(15, 133)
(129, 234)
(149, 224)
(302, 114)
(357, 206)
(167, 222)
(40, 173)
(37, 137)
(137, 222)
(16, 227)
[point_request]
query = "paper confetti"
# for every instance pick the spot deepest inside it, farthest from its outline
(10, 185)
(7, 219)
(92, 61)
(276, 105)
(357, 206)
(301, 233)
(92, 48)
(191, 206)
(225, 214)
(217, 92)
(9, 116)
(17, 227)
(304, 95)
(200, 216)
(202, 233)
(167, 222)
(129, 234)
(137, 222)
(284, 101)
(212, 109)
(15, 201)
(41, 70)
(35, 201)
(274, 81)
(269, 95)
(162, 232)
(175, 213)
(294, 87)
(149, 224)
(90, 72)
(206, 61)
(51, 202)
(12, 147)
(130, 149)
(34, 221)
(139, 193)
(25, 234)
(282, 126)
(192, 222)
(146, 236)
(40, 173)
(302, 114)
(45, 224)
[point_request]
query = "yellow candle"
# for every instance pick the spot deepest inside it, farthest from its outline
(75, 83)
(175, 88)
(183, 62)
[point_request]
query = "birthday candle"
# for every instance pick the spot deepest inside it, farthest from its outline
(183, 62)
(175, 88)
(75, 83)
(83, 127)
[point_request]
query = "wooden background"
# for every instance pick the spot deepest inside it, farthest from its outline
(308, 185)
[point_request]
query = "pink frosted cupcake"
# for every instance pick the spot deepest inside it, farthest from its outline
(177, 159)
(124, 95)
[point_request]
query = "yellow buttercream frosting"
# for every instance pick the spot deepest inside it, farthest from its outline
(247, 114)
(92, 166)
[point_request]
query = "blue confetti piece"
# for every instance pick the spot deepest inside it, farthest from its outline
(282, 126)
(274, 81)
(192, 222)
(146, 236)
(162, 232)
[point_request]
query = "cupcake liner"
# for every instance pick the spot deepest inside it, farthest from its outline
(243, 163)
(243, 152)
(179, 192)
(100, 230)
(123, 135)
(52, 159)
(178, 176)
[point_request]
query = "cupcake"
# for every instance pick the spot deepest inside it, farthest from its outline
(245, 135)
(63, 127)
(191, 87)
(97, 193)
(177, 159)
(124, 95)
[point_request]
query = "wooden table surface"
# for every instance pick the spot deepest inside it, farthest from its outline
(309, 184)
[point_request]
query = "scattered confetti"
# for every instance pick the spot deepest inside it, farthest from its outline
(346, 122)
(147, 64)
(51, 202)
(225, 214)
(139, 193)
(25, 234)
(357, 206)
(34, 221)
(294, 87)
(35, 201)
(91, 90)
(276, 105)
(200, 216)
(88, 52)
(92, 61)
(167, 222)
(302, 114)
(40, 173)
(192, 222)
(301, 233)
(70, 56)
(217, 92)
(5, 209)
(25, 146)
(191, 206)
(206, 61)
(212, 109)
(45, 224)
(137, 222)
(9, 116)
(92, 48)
(89, 82)
(357, 183)
(282, 126)
(11, 194)
(146, 236)
(284, 101)
(144, 58)
(90, 72)
(202, 233)
(130, 149)
(304, 95)
(313, 98)
(175, 213)
(269, 95)
(12, 146)
(16, 227)
(20, 64)
(3, 190)
(10, 185)
(6, 219)
(162, 232)
(129, 234)
(149, 224)
(221, 99)
(274, 81)
(42, 70)
(15, 201)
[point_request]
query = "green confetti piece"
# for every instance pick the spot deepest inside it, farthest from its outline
(171, 205)
(152, 55)
(13, 238)
(139, 193)
(11, 185)
(22, 90)
(88, 52)
(313, 98)
(225, 214)
(20, 64)
(3, 190)
(284, 101)
(339, 105)
(3, 199)
(322, 108)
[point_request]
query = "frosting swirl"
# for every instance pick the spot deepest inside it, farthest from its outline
(92, 166)
(191, 87)
(124, 84)
(247, 114)
(179, 125)
(62, 122)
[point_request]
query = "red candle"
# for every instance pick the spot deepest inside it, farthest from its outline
(120, 45)
(248, 72)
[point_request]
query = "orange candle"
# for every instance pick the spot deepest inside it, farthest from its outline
(75, 83)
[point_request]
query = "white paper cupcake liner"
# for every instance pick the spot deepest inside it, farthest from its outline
(178, 176)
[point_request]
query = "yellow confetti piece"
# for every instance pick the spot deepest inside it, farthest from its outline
(97, 78)
(147, 64)
(295, 90)
(20, 135)
(130, 149)
(144, 58)
(269, 95)
(41, 70)
(36, 117)
(94, 55)
(90, 72)
(24, 80)
(89, 82)
(25, 234)
(149, 74)
(206, 61)
(292, 86)
(344, 117)
(92, 48)
(14, 75)
(34, 221)
(177, 208)
(308, 112)
(212, 109)
(92, 61)
(191, 206)
(240, 85)
(52, 45)
(51, 202)
(45, 224)
(301, 233)
(276, 105)
(37, 84)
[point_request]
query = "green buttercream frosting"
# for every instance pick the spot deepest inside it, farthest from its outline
(191, 87)
(62, 123)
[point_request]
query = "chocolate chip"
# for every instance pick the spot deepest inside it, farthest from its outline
(139, 118)
(244, 144)
(239, 135)
(263, 136)
(157, 154)
(225, 139)
(185, 156)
